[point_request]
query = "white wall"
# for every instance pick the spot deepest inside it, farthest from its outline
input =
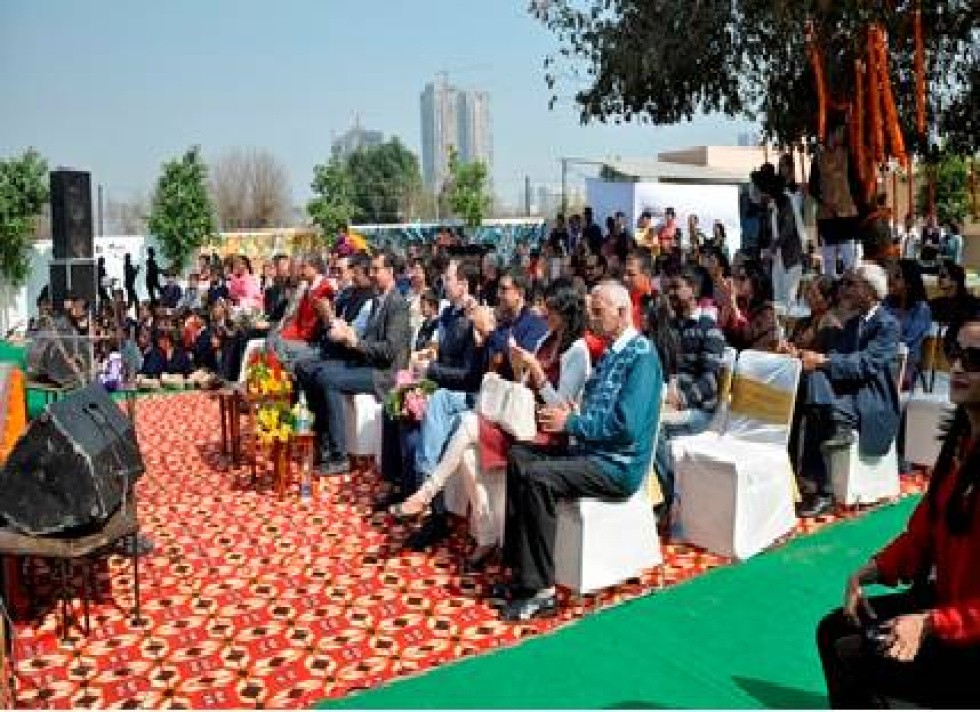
(708, 202)
(17, 306)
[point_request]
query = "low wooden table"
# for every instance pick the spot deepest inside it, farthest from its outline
(229, 403)
(303, 447)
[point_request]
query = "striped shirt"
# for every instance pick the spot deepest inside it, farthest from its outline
(701, 354)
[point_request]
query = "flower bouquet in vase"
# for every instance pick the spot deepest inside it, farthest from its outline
(265, 376)
(409, 398)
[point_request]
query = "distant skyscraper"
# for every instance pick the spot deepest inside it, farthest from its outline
(353, 139)
(453, 117)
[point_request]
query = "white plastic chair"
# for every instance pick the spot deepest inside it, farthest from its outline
(601, 543)
(735, 491)
(363, 421)
(856, 478)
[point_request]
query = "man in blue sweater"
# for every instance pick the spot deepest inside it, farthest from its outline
(612, 435)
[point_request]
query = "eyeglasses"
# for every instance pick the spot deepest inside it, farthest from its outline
(968, 356)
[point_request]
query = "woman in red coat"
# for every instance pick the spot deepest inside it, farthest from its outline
(923, 645)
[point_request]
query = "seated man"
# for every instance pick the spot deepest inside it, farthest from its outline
(518, 323)
(370, 364)
(293, 340)
(613, 445)
(852, 387)
(701, 350)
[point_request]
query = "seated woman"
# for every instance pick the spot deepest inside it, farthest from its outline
(820, 330)
(244, 288)
(906, 301)
(165, 362)
(556, 372)
(955, 302)
(921, 647)
(746, 314)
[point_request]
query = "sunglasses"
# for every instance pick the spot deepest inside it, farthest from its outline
(968, 356)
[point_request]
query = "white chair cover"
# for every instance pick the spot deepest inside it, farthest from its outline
(601, 543)
(924, 416)
(735, 491)
(865, 479)
(363, 419)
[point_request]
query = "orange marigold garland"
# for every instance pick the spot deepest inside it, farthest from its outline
(816, 62)
(920, 74)
(858, 146)
(893, 129)
(874, 101)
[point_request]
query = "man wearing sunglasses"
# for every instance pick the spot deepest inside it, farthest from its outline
(853, 386)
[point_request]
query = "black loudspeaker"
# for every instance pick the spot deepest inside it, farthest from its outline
(57, 353)
(71, 214)
(74, 278)
(72, 468)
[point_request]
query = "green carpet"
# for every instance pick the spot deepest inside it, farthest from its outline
(738, 637)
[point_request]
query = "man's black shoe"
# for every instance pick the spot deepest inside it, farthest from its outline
(434, 530)
(524, 609)
(817, 505)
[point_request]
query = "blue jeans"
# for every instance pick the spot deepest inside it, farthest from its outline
(438, 425)
(422, 447)
(694, 421)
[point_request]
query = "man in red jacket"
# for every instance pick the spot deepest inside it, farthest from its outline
(295, 338)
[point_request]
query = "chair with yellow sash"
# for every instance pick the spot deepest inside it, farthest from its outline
(735, 490)
(857, 478)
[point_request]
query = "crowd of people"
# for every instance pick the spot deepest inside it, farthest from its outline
(606, 328)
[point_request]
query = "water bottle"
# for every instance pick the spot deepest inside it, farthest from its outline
(302, 413)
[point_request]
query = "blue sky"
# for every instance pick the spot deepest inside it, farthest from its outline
(119, 86)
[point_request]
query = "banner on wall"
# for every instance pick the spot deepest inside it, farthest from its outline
(708, 202)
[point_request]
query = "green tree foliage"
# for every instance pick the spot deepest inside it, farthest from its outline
(333, 205)
(664, 61)
(23, 194)
(181, 216)
(386, 179)
(467, 190)
(950, 177)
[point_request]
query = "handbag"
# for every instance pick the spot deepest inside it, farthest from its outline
(510, 405)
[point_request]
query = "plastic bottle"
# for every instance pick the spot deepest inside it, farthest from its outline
(302, 415)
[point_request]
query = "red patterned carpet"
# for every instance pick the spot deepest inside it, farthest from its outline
(249, 601)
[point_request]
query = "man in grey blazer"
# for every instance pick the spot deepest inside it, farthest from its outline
(374, 360)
